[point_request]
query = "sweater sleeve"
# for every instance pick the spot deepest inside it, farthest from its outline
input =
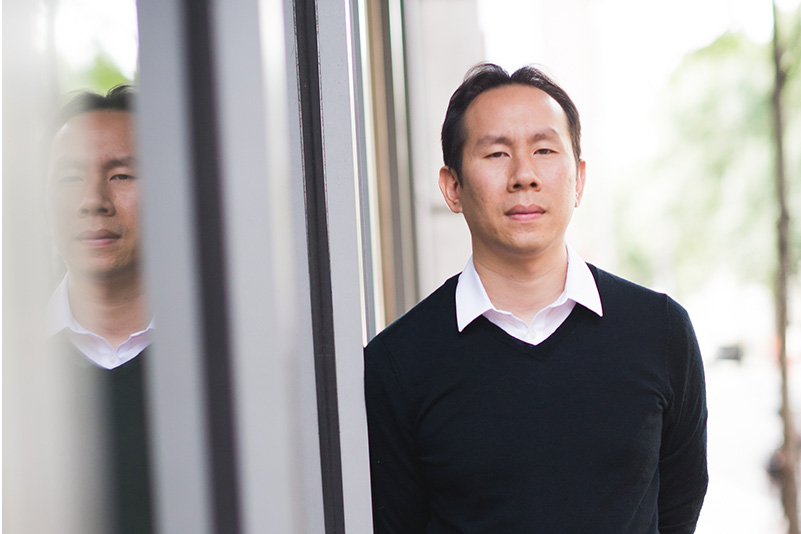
(400, 500)
(682, 458)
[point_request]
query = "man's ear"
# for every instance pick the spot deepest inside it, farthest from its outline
(451, 188)
(581, 178)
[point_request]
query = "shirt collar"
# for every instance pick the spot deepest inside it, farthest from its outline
(59, 315)
(472, 300)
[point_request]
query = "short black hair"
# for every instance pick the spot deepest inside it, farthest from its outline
(119, 98)
(486, 76)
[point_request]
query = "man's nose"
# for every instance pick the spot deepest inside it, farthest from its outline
(96, 199)
(524, 174)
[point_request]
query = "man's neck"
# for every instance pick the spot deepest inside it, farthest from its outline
(113, 309)
(523, 286)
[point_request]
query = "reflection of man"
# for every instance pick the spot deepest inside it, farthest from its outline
(93, 198)
(99, 310)
(533, 392)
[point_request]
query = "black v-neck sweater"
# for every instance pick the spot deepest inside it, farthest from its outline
(601, 428)
(117, 397)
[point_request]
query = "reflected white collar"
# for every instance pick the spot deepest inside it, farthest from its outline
(96, 348)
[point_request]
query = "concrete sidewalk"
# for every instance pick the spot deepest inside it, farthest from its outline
(744, 429)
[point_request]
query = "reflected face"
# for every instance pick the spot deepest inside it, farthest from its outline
(93, 195)
(519, 182)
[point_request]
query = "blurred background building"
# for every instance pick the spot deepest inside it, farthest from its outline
(299, 143)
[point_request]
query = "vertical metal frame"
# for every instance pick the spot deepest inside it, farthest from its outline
(38, 467)
(180, 475)
(319, 254)
(235, 433)
(207, 189)
(393, 159)
(329, 93)
(338, 53)
(279, 456)
(256, 382)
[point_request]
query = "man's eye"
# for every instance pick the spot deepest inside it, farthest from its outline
(496, 155)
(545, 151)
(122, 177)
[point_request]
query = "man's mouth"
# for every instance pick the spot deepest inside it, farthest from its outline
(97, 238)
(525, 213)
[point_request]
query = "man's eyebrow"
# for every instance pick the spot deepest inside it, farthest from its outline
(68, 162)
(547, 134)
(493, 139)
(113, 163)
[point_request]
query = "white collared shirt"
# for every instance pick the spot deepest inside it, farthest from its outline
(472, 301)
(91, 345)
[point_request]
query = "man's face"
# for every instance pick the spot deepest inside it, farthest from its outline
(93, 195)
(519, 182)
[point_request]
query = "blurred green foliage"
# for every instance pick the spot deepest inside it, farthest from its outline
(711, 184)
(100, 76)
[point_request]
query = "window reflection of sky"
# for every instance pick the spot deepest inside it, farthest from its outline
(84, 28)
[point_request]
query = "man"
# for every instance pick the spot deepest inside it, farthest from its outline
(533, 392)
(98, 315)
